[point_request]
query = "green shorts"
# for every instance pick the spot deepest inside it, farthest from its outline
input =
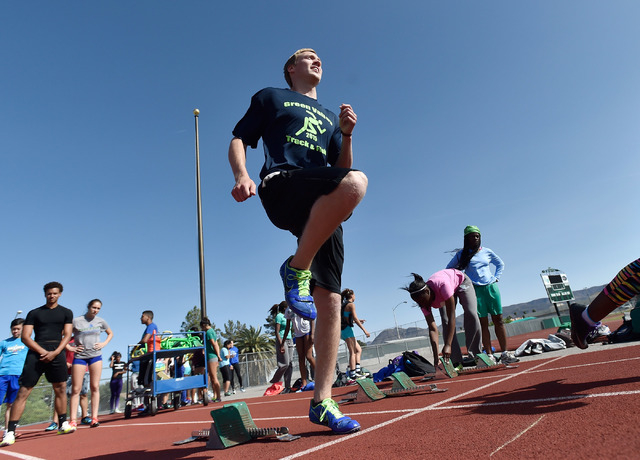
(489, 301)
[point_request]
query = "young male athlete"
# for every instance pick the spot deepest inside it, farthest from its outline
(151, 338)
(301, 194)
(12, 355)
(621, 289)
(52, 325)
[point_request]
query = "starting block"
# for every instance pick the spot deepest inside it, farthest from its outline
(233, 425)
(402, 385)
(484, 363)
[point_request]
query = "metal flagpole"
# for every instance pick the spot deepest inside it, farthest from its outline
(203, 297)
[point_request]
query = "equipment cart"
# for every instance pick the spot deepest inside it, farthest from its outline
(173, 345)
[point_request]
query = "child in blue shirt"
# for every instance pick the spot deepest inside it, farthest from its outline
(12, 355)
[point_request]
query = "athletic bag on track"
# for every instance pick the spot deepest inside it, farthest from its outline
(624, 333)
(416, 365)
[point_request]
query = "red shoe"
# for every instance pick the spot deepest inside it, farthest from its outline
(94, 423)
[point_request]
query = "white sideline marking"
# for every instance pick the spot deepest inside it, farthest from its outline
(21, 456)
(517, 436)
(438, 405)
(433, 407)
(588, 364)
(406, 413)
(402, 417)
(529, 401)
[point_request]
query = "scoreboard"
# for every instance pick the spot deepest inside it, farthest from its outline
(557, 287)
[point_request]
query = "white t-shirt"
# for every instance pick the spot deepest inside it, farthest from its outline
(301, 326)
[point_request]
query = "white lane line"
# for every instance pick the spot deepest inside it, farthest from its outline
(350, 436)
(410, 414)
(532, 401)
(504, 379)
(18, 455)
(433, 407)
(517, 436)
(601, 363)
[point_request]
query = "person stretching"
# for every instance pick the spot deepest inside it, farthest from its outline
(586, 320)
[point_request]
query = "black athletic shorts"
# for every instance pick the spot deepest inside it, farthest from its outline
(55, 371)
(288, 196)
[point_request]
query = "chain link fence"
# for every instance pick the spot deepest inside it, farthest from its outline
(256, 370)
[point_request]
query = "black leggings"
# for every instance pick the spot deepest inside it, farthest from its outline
(226, 373)
(236, 371)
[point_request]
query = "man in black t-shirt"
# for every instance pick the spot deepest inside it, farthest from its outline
(52, 328)
(302, 194)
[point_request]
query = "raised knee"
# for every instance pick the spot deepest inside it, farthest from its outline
(358, 180)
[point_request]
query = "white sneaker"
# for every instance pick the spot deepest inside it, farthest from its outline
(8, 439)
(242, 389)
(508, 357)
(118, 411)
(67, 427)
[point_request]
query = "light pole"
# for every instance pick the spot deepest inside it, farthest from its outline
(203, 297)
(394, 317)
(19, 312)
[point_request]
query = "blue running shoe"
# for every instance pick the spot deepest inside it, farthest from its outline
(297, 290)
(327, 413)
(52, 427)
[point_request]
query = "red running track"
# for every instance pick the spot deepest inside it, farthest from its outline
(566, 404)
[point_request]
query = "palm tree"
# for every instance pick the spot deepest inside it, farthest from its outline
(233, 329)
(252, 340)
(255, 351)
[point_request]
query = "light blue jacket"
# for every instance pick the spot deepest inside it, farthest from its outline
(479, 268)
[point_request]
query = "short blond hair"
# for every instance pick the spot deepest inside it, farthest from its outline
(293, 59)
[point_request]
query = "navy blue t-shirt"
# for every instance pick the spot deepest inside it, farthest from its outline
(297, 132)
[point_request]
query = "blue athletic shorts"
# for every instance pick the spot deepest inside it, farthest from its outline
(347, 333)
(87, 362)
(9, 387)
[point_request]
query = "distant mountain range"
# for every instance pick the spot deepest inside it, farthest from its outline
(537, 307)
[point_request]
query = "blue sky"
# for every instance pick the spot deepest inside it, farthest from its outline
(518, 117)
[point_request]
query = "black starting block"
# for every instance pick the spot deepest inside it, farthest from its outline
(402, 386)
(484, 363)
(233, 425)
